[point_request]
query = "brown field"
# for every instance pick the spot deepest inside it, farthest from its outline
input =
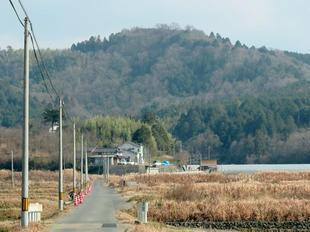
(274, 197)
(43, 188)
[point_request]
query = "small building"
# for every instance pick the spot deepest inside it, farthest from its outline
(97, 156)
(129, 152)
(132, 152)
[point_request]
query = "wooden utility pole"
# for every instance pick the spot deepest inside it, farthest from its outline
(25, 160)
(60, 184)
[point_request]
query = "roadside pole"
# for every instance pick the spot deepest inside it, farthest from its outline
(25, 168)
(108, 169)
(209, 152)
(61, 194)
(103, 166)
(74, 160)
(150, 159)
(86, 164)
(82, 176)
(12, 168)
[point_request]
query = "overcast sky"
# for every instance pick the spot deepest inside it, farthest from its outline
(278, 24)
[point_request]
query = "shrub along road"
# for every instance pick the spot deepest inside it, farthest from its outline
(97, 213)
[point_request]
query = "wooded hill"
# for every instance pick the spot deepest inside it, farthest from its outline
(252, 93)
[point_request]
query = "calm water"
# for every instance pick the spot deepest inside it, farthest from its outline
(263, 167)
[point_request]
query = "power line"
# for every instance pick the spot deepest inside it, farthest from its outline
(23, 8)
(67, 115)
(43, 63)
(39, 50)
(40, 70)
(19, 19)
(34, 50)
(39, 58)
(38, 55)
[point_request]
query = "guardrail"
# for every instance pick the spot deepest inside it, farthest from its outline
(34, 213)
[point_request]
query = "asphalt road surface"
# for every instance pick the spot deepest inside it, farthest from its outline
(97, 213)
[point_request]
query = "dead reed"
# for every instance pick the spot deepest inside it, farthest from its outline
(43, 188)
(281, 196)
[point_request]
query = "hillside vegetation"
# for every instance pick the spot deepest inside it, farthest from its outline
(247, 104)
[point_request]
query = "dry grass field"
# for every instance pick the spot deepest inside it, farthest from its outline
(43, 188)
(216, 197)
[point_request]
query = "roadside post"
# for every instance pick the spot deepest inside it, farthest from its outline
(143, 208)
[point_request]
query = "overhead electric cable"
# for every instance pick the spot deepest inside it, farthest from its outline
(19, 19)
(40, 70)
(39, 50)
(35, 54)
(23, 8)
(44, 73)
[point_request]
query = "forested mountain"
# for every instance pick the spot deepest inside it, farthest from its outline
(200, 85)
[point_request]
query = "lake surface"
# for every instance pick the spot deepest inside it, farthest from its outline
(247, 168)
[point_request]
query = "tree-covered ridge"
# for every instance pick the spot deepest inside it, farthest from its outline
(247, 103)
(140, 68)
(251, 130)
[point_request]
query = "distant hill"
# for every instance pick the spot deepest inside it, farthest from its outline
(165, 70)
(137, 68)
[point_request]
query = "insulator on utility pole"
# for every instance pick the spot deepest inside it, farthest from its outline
(74, 160)
(25, 159)
(60, 187)
(82, 176)
(86, 163)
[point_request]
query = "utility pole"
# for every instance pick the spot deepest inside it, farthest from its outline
(209, 152)
(60, 187)
(74, 160)
(150, 159)
(25, 168)
(103, 166)
(82, 176)
(86, 163)
(12, 168)
(108, 169)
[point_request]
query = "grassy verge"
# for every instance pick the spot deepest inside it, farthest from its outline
(263, 199)
(43, 188)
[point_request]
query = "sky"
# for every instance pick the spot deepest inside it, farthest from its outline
(276, 24)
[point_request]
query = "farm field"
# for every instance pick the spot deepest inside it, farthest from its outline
(43, 188)
(222, 201)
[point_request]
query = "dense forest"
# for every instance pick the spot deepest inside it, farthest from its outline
(247, 104)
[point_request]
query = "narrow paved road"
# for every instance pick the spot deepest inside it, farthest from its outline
(97, 213)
